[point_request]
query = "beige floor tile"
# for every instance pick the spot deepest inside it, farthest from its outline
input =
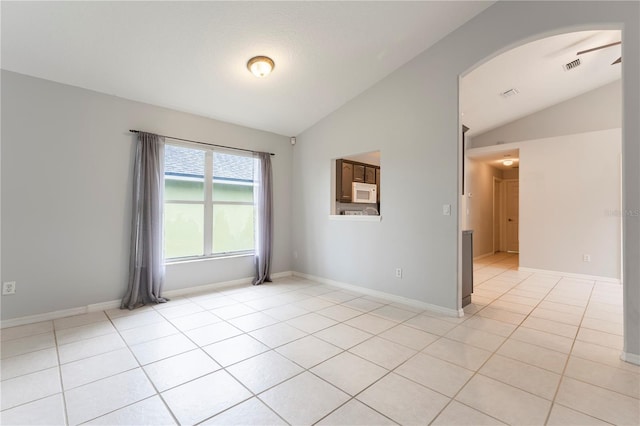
(27, 330)
(30, 387)
(205, 397)
(339, 312)
(409, 337)
(371, 323)
(251, 412)
(534, 355)
(235, 349)
(199, 319)
(522, 300)
(598, 402)
(180, 369)
(290, 400)
(504, 402)
(145, 333)
(403, 401)
(253, 321)
(458, 353)
(99, 398)
(312, 322)
(392, 313)
(355, 413)
(26, 344)
(565, 330)
(430, 324)
(603, 355)
(602, 325)
(349, 372)
(474, 337)
(362, 304)
(48, 411)
(78, 320)
(563, 416)
(90, 347)
(308, 351)
(501, 315)
(285, 312)
(543, 339)
(28, 363)
(561, 307)
(612, 378)
(435, 374)
(490, 326)
(532, 379)
(263, 371)
(343, 336)
(511, 307)
(383, 352)
(232, 311)
(212, 333)
(457, 414)
(613, 341)
(98, 367)
(277, 334)
(557, 316)
(150, 411)
(158, 349)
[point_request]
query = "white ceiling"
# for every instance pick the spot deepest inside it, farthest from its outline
(536, 71)
(191, 56)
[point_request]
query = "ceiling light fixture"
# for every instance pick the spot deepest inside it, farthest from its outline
(260, 66)
(507, 162)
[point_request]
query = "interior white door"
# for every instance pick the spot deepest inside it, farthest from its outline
(512, 212)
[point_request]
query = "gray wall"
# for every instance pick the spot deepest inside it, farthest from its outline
(412, 118)
(66, 188)
(599, 109)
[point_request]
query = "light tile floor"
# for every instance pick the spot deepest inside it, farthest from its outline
(531, 349)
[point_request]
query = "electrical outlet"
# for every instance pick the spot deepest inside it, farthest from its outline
(398, 272)
(586, 258)
(446, 209)
(9, 287)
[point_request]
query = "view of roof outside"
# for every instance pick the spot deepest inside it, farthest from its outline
(188, 162)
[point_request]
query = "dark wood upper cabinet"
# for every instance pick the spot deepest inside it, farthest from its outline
(378, 182)
(369, 174)
(358, 172)
(344, 178)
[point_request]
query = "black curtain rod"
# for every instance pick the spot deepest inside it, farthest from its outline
(203, 143)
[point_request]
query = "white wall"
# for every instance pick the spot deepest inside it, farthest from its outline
(480, 184)
(412, 117)
(598, 109)
(66, 188)
(568, 186)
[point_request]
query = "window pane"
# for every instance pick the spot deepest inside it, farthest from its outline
(183, 230)
(232, 228)
(232, 192)
(232, 177)
(184, 173)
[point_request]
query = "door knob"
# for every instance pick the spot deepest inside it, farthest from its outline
(510, 220)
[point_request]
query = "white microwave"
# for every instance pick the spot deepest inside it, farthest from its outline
(363, 193)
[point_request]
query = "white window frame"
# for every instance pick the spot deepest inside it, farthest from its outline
(208, 204)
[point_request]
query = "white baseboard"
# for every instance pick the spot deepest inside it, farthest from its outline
(113, 304)
(381, 294)
(631, 358)
(47, 316)
(572, 275)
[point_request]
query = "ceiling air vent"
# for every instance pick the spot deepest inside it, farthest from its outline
(571, 65)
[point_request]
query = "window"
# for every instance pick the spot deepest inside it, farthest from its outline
(209, 207)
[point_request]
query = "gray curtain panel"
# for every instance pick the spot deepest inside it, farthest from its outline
(263, 199)
(146, 266)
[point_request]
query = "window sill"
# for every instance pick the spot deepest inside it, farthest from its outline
(355, 218)
(206, 258)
